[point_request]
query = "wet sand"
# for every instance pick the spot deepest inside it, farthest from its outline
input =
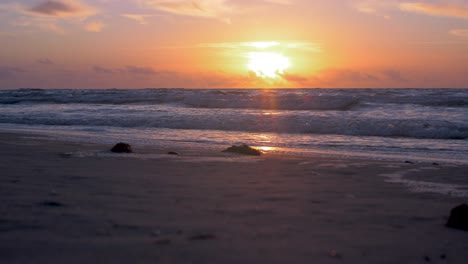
(67, 202)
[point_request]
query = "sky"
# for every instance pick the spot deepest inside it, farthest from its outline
(233, 44)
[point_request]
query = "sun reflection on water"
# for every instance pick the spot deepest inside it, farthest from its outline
(267, 149)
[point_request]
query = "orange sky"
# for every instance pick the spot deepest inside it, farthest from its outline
(211, 43)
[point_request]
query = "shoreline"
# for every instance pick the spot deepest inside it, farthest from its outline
(218, 208)
(204, 149)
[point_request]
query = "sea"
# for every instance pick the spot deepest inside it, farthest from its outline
(427, 125)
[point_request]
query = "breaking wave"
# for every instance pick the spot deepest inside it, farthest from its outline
(407, 113)
(282, 99)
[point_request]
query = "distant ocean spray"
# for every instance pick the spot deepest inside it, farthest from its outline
(415, 123)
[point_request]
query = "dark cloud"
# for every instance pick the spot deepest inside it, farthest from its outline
(99, 69)
(131, 70)
(348, 75)
(53, 8)
(140, 70)
(335, 77)
(9, 72)
(394, 75)
(45, 61)
(57, 8)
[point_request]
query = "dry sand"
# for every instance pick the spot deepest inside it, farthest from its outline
(72, 203)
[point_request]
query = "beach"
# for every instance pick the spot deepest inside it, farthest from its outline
(233, 132)
(75, 202)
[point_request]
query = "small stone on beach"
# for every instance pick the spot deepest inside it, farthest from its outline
(409, 162)
(122, 148)
(173, 153)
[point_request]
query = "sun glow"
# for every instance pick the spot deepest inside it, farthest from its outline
(268, 64)
(262, 45)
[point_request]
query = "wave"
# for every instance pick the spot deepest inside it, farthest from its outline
(252, 99)
(282, 99)
(292, 123)
(407, 113)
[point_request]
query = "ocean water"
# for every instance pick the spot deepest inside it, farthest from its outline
(399, 124)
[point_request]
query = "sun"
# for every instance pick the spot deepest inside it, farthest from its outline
(268, 64)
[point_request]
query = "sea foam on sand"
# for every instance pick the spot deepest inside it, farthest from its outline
(65, 202)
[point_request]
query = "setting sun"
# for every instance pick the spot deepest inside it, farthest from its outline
(267, 64)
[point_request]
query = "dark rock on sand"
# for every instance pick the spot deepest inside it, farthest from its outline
(173, 153)
(52, 204)
(122, 148)
(243, 149)
(66, 155)
(459, 218)
(409, 162)
(202, 237)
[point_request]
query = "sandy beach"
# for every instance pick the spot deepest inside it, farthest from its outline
(65, 202)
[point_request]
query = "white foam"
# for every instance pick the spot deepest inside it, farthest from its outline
(384, 113)
(454, 190)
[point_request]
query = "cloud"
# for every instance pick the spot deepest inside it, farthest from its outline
(263, 45)
(375, 7)
(54, 8)
(102, 70)
(280, 2)
(45, 61)
(52, 16)
(215, 9)
(461, 33)
(139, 18)
(9, 72)
(454, 9)
(294, 78)
(261, 2)
(61, 9)
(445, 8)
(331, 77)
(94, 26)
(342, 77)
(131, 69)
(394, 75)
(140, 70)
(347, 75)
(366, 8)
